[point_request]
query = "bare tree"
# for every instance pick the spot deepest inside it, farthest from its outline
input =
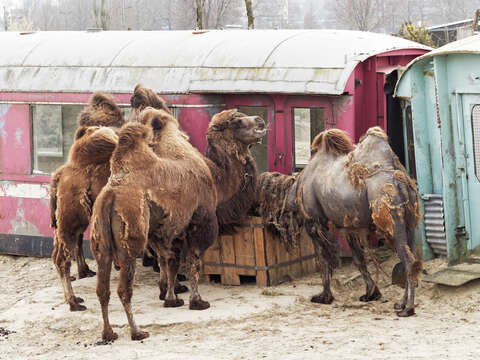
(199, 7)
(251, 19)
(358, 14)
(102, 16)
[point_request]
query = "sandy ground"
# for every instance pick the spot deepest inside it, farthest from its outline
(245, 322)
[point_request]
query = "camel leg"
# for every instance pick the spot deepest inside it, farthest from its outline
(194, 265)
(163, 282)
(202, 232)
(83, 269)
(104, 262)
(173, 263)
(125, 292)
(320, 242)
(404, 246)
(372, 292)
(64, 246)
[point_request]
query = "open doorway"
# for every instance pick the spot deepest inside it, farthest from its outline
(394, 117)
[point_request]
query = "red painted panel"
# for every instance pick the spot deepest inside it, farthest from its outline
(194, 121)
(25, 216)
(15, 136)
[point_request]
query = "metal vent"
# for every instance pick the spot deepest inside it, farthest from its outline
(435, 224)
(476, 138)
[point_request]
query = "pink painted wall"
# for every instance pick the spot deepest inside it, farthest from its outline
(24, 216)
(15, 139)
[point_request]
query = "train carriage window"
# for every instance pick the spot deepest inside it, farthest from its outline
(53, 130)
(308, 122)
(476, 138)
(259, 151)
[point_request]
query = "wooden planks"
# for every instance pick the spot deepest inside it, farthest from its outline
(255, 251)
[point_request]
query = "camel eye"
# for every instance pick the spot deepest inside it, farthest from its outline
(236, 123)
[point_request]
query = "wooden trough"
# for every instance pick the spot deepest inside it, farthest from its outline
(255, 253)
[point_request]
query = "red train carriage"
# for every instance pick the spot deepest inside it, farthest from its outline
(301, 81)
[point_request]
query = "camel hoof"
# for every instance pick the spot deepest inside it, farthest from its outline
(173, 303)
(199, 305)
(322, 299)
(79, 300)
(86, 273)
(398, 306)
(140, 335)
(77, 307)
(109, 336)
(180, 289)
(406, 312)
(375, 296)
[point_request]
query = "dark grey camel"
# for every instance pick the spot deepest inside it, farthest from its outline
(357, 190)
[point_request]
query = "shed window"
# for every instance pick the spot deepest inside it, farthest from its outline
(476, 137)
(308, 122)
(53, 129)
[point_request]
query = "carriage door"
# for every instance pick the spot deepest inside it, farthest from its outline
(471, 127)
(259, 151)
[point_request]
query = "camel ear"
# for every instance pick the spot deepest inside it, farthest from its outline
(81, 131)
(156, 123)
(138, 86)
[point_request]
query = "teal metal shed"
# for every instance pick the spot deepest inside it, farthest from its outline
(441, 108)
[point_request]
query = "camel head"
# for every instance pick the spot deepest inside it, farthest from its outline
(133, 135)
(101, 110)
(93, 145)
(236, 126)
(144, 97)
(162, 123)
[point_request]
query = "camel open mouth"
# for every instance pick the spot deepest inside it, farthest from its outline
(259, 134)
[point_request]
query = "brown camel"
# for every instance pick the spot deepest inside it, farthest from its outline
(356, 190)
(167, 202)
(229, 137)
(75, 186)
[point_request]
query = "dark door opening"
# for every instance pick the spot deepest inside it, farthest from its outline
(394, 117)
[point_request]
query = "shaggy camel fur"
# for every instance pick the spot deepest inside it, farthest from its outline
(75, 186)
(357, 191)
(145, 201)
(229, 137)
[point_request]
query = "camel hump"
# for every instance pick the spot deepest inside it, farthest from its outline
(144, 97)
(101, 110)
(93, 145)
(333, 141)
(375, 131)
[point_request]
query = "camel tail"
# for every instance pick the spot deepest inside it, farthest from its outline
(101, 223)
(53, 198)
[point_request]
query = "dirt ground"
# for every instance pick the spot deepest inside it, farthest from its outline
(245, 322)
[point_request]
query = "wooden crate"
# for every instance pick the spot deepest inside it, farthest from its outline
(256, 252)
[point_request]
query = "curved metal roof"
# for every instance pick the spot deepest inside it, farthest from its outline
(294, 61)
(469, 45)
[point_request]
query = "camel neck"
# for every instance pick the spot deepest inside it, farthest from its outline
(235, 177)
